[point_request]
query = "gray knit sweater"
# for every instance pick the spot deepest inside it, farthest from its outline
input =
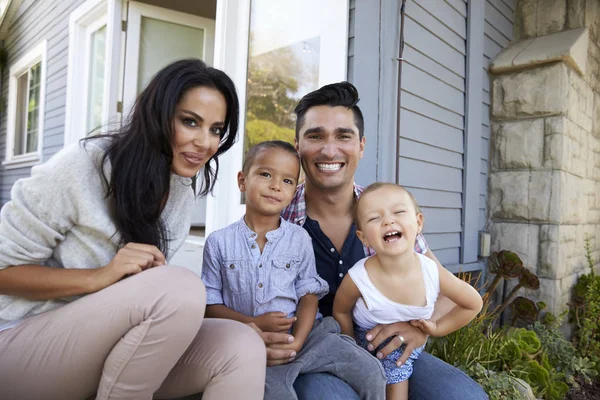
(59, 217)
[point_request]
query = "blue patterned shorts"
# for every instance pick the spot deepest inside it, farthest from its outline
(393, 373)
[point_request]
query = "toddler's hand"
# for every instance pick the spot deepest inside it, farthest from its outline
(274, 322)
(426, 325)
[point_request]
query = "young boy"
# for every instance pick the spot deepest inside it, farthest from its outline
(397, 284)
(261, 269)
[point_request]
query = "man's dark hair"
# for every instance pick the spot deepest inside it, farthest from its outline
(341, 94)
(271, 144)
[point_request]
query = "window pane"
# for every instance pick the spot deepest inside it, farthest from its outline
(283, 65)
(96, 79)
(33, 108)
(21, 117)
(162, 42)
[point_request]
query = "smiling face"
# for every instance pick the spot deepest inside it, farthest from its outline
(198, 124)
(329, 147)
(388, 220)
(270, 182)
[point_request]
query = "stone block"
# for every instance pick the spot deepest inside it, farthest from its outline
(579, 98)
(522, 239)
(551, 16)
(575, 13)
(517, 145)
(566, 146)
(561, 251)
(522, 195)
(525, 24)
(569, 46)
(596, 116)
(567, 205)
(531, 93)
(556, 293)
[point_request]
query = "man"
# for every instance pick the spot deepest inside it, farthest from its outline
(330, 140)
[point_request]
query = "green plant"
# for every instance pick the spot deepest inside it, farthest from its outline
(585, 313)
(527, 280)
(524, 309)
(499, 385)
(562, 354)
(505, 265)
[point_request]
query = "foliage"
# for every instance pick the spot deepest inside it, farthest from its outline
(539, 356)
(585, 313)
(562, 354)
(499, 385)
(259, 130)
(524, 309)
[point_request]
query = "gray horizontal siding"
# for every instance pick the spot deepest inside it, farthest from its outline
(498, 32)
(432, 119)
(34, 22)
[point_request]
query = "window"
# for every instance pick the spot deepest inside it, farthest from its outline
(26, 109)
(88, 83)
(275, 52)
(291, 52)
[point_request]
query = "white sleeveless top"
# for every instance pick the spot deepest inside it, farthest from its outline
(374, 308)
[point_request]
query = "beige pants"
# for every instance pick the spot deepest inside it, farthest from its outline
(142, 337)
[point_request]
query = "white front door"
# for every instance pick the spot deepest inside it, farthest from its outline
(156, 37)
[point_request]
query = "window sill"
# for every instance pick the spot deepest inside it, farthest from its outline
(22, 161)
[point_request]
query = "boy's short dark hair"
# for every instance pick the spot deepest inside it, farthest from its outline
(270, 144)
(378, 185)
(342, 94)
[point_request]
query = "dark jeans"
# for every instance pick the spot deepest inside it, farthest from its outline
(326, 351)
(432, 379)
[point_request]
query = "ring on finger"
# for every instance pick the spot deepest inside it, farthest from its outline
(401, 339)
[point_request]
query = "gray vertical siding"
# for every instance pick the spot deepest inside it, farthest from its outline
(35, 21)
(498, 32)
(432, 119)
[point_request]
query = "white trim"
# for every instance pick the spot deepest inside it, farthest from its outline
(32, 57)
(85, 20)
(134, 20)
(115, 41)
(231, 56)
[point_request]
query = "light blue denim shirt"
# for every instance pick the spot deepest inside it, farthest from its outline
(237, 275)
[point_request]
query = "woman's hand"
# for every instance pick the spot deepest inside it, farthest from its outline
(276, 356)
(402, 333)
(130, 260)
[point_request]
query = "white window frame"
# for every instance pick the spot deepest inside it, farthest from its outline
(85, 20)
(231, 56)
(31, 58)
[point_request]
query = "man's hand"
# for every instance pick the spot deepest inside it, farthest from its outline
(274, 322)
(426, 325)
(402, 332)
(276, 356)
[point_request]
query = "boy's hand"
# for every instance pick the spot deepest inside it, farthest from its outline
(274, 322)
(426, 325)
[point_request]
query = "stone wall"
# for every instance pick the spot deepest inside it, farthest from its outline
(545, 158)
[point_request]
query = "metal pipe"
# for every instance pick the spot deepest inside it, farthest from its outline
(399, 95)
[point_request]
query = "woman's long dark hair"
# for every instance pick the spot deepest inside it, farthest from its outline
(141, 152)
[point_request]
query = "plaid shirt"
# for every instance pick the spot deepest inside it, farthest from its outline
(296, 213)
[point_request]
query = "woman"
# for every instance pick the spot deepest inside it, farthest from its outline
(87, 305)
